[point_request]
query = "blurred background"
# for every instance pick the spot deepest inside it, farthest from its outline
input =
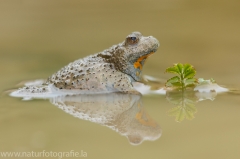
(42, 36)
(39, 37)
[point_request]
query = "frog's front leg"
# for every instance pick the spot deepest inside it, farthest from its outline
(126, 85)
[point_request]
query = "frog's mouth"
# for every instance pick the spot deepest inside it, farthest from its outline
(140, 61)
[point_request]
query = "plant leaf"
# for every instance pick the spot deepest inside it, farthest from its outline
(190, 74)
(180, 68)
(189, 71)
(186, 67)
(172, 70)
(177, 84)
(185, 78)
(173, 80)
(190, 81)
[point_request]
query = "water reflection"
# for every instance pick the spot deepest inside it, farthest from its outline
(123, 113)
(185, 101)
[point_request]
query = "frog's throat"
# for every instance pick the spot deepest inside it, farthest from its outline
(134, 68)
(138, 63)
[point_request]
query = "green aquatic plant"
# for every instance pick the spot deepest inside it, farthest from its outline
(185, 76)
(186, 99)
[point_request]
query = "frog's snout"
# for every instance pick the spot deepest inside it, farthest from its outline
(154, 43)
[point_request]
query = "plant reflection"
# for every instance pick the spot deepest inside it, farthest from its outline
(185, 101)
(123, 113)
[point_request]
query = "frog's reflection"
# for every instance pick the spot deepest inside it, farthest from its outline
(123, 113)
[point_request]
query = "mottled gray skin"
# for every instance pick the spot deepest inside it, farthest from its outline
(110, 70)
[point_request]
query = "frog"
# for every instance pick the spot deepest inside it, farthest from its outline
(112, 70)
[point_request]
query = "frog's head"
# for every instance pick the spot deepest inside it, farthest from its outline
(135, 50)
(130, 55)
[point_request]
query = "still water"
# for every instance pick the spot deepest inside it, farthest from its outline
(38, 38)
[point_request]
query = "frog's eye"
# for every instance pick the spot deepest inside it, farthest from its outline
(132, 40)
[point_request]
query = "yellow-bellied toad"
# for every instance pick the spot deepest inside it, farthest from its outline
(112, 70)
